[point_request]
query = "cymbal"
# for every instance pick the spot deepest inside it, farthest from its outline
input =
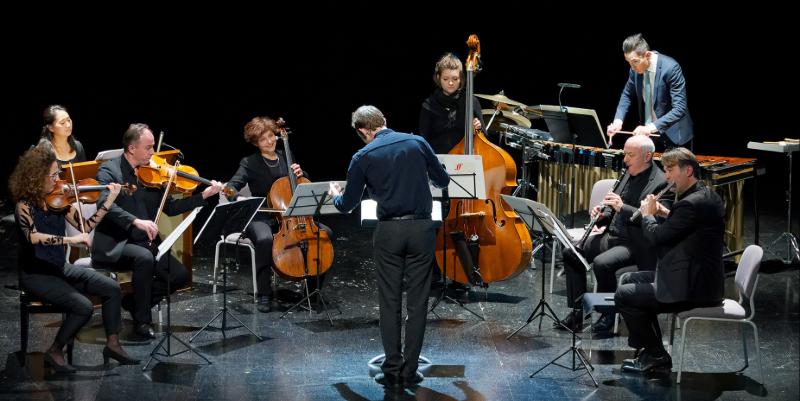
(500, 98)
(508, 116)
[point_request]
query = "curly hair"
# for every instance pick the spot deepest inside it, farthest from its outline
(27, 180)
(257, 127)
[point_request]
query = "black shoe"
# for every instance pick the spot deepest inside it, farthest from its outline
(264, 304)
(413, 381)
(65, 368)
(144, 330)
(389, 381)
(647, 362)
(122, 359)
(573, 321)
(604, 324)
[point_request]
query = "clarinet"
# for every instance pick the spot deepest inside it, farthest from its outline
(638, 212)
(601, 213)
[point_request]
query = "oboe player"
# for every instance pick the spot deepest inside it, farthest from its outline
(618, 242)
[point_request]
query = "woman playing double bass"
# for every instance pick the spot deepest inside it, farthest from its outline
(441, 120)
(259, 171)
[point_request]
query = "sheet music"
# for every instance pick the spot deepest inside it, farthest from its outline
(166, 245)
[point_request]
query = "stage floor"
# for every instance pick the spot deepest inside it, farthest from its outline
(303, 357)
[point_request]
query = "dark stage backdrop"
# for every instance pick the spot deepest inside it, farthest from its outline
(199, 76)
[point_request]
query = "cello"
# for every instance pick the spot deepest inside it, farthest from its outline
(299, 249)
(485, 241)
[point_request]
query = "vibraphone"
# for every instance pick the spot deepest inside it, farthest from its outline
(558, 164)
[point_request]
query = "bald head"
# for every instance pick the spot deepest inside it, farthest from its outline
(638, 153)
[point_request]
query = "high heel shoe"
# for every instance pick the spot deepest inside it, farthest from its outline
(122, 359)
(65, 368)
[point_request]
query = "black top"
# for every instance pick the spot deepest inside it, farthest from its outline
(80, 154)
(441, 120)
(40, 258)
(631, 194)
(395, 169)
(259, 173)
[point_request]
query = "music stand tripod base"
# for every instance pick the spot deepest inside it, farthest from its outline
(164, 250)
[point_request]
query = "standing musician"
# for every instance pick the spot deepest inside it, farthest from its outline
(690, 272)
(656, 85)
(123, 240)
(44, 271)
(57, 132)
(620, 244)
(404, 239)
(259, 171)
(441, 119)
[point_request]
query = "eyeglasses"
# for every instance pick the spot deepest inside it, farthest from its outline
(54, 176)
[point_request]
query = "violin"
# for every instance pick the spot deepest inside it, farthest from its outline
(88, 191)
(185, 181)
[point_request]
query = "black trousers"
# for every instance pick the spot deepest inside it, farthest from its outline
(636, 301)
(68, 291)
(404, 251)
(607, 254)
(149, 279)
(260, 232)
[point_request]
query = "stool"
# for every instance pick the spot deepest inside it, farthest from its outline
(601, 302)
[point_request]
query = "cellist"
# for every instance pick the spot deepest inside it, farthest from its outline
(259, 170)
(122, 240)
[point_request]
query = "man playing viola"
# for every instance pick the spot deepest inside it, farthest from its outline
(123, 240)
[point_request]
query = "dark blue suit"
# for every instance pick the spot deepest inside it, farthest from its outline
(669, 102)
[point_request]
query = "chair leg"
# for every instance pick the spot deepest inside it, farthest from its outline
(553, 250)
(23, 331)
(744, 348)
(758, 352)
(683, 348)
(253, 264)
(216, 264)
(70, 348)
(616, 323)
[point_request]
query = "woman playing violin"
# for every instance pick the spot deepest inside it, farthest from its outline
(45, 273)
(123, 240)
(57, 132)
(259, 171)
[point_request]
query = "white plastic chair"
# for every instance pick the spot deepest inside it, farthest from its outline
(599, 191)
(235, 239)
(731, 311)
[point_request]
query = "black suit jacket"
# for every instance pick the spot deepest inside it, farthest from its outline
(690, 245)
(645, 256)
(116, 228)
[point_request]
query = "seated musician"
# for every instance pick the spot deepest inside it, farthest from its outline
(620, 243)
(259, 171)
(126, 238)
(45, 273)
(57, 132)
(690, 272)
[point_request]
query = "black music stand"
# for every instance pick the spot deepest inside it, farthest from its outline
(164, 249)
(466, 182)
(312, 199)
(576, 126)
(224, 220)
(536, 215)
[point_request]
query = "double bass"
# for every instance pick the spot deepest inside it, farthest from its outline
(299, 247)
(485, 240)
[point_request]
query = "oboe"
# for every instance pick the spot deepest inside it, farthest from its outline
(638, 212)
(601, 212)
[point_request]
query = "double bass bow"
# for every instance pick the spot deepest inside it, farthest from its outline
(299, 249)
(487, 241)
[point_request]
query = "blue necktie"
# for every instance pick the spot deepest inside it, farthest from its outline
(648, 99)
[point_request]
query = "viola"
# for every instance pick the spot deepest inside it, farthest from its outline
(88, 191)
(299, 249)
(185, 181)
